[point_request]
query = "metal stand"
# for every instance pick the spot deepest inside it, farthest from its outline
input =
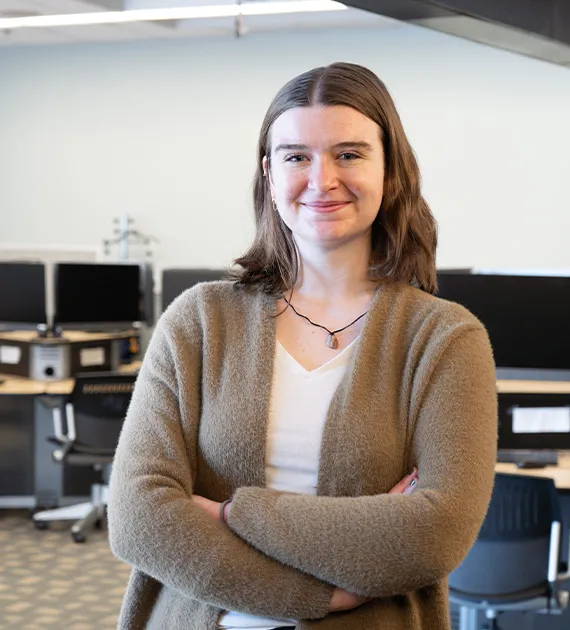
(468, 618)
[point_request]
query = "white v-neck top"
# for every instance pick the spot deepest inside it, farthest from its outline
(298, 409)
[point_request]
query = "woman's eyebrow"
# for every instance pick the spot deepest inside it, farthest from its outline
(291, 147)
(354, 144)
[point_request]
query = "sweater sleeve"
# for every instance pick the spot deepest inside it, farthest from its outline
(384, 545)
(154, 526)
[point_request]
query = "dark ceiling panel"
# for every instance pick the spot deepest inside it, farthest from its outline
(537, 28)
(549, 18)
(405, 10)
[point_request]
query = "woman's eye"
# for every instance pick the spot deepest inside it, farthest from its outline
(295, 158)
(349, 155)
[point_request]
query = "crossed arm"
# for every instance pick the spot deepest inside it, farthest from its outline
(156, 526)
(379, 546)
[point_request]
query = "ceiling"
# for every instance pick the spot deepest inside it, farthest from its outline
(164, 29)
(534, 28)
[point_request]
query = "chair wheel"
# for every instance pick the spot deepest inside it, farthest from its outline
(78, 537)
(41, 524)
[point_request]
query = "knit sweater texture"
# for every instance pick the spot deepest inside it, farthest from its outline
(420, 391)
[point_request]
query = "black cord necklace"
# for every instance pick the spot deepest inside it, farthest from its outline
(332, 341)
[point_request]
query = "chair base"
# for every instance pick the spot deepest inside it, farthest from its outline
(87, 515)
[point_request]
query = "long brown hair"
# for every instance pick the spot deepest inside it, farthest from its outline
(404, 234)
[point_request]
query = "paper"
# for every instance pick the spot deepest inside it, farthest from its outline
(541, 419)
(10, 355)
(90, 357)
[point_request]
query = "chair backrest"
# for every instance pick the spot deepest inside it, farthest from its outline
(100, 402)
(511, 552)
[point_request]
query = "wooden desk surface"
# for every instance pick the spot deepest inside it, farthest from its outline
(15, 385)
(12, 385)
(66, 336)
(533, 387)
(24, 386)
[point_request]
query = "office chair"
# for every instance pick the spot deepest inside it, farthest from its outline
(514, 564)
(93, 420)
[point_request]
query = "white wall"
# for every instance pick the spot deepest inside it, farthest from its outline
(167, 130)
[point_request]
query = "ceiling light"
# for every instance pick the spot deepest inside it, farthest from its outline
(181, 13)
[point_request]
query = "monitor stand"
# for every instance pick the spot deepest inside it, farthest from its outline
(49, 332)
(527, 374)
(528, 458)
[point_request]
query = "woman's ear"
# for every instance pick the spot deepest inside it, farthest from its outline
(267, 174)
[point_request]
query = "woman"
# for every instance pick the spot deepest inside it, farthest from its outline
(254, 481)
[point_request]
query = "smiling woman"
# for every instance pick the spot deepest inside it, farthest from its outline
(298, 443)
(333, 135)
(329, 189)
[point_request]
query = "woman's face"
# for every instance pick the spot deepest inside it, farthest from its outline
(326, 174)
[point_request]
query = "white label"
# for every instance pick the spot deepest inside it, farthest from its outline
(541, 420)
(89, 357)
(10, 355)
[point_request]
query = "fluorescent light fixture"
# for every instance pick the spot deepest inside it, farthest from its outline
(181, 13)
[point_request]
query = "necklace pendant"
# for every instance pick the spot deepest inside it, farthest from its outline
(332, 341)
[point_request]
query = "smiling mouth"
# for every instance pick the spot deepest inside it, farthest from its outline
(324, 208)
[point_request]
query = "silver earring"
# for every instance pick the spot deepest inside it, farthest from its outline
(273, 204)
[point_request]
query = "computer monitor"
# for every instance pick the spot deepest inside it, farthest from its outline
(22, 294)
(91, 295)
(527, 317)
(175, 281)
(534, 422)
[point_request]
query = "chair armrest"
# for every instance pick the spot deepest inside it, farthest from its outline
(565, 575)
(58, 425)
(70, 417)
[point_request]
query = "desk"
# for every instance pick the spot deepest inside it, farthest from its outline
(28, 475)
(65, 387)
(22, 386)
(533, 387)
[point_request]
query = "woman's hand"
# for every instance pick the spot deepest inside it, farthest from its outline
(407, 484)
(343, 600)
(212, 508)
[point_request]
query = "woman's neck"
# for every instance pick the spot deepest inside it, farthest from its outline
(340, 274)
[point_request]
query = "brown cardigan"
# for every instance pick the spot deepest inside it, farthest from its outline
(420, 391)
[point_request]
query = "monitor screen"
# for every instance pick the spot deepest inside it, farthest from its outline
(515, 434)
(22, 293)
(527, 317)
(176, 281)
(92, 293)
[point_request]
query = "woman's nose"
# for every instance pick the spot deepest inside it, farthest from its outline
(323, 175)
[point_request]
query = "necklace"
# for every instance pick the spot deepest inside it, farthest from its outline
(332, 341)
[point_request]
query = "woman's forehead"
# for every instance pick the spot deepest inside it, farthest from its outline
(323, 126)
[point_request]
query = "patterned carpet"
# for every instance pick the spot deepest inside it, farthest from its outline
(48, 582)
